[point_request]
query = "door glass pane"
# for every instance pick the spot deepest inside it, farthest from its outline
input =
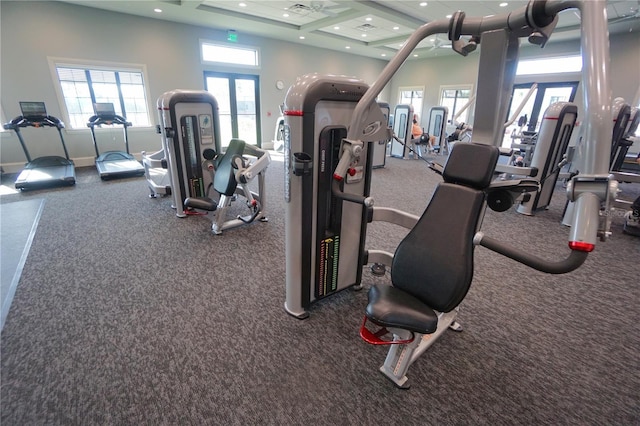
(246, 108)
(519, 95)
(219, 88)
(551, 96)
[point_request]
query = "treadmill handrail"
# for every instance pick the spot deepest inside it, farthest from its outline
(98, 120)
(35, 121)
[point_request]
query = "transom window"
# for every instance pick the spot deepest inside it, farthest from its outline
(83, 86)
(565, 64)
(245, 56)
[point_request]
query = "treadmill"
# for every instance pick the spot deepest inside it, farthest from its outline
(41, 172)
(113, 164)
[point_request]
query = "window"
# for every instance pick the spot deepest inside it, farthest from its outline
(412, 96)
(564, 64)
(82, 86)
(229, 54)
(455, 98)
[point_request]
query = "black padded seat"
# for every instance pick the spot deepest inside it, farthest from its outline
(432, 267)
(391, 307)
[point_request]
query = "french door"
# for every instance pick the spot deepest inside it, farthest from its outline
(534, 108)
(239, 105)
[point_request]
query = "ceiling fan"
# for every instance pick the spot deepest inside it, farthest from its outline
(325, 8)
(438, 43)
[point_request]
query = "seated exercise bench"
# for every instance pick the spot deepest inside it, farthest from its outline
(233, 174)
(432, 267)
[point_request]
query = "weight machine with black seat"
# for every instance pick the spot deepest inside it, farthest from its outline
(190, 131)
(234, 171)
(423, 300)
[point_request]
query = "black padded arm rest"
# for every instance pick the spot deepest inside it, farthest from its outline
(224, 181)
(392, 307)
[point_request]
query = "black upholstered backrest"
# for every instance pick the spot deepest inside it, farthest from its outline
(224, 181)
(434, 262)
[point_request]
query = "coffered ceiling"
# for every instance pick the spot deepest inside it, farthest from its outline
(369, 28)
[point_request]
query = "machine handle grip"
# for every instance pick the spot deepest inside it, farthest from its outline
(572, 262)
(354, 198)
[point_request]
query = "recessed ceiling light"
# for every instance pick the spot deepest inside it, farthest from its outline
(396, 28)
(415, 55)
(504, 4)
(156, 10)
(423, 4)
(286, 15)
(383, 54)
(242, 4)
(336, 28)
(301, 37)
(347, 47)
(368, 19)
(448, 16)
(364, 35)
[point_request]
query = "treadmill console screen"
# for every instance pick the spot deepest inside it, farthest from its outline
(33, 109)
(104, 109)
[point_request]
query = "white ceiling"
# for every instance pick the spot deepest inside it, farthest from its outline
(362, 27)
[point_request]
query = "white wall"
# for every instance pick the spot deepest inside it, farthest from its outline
(32, 32)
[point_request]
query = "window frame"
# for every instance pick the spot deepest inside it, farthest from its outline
(255, 49)
(55, 63)
(457, 88)
(417, 111)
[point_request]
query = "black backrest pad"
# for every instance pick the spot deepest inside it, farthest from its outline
(471, 164)
(224, 181)
(434, 262)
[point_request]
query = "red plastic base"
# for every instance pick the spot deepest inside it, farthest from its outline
(376, 338)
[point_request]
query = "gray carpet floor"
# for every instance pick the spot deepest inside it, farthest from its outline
(127, 315)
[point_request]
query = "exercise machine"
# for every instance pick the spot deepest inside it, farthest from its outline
(380, 147)
(113, 164)
(437, 128)
(41, 172)
(547, 160)
(324, 234)
(621, 145)
(278, 135)
(234, 172)
(620, 122)
(427, 287)
(190, 131)
(402, 122)
(625, 123)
